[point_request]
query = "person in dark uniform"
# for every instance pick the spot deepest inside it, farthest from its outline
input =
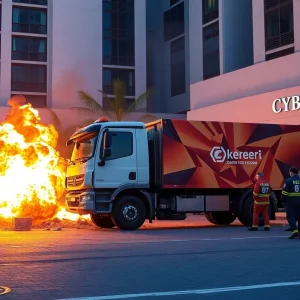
(261, 196)
(291, 200)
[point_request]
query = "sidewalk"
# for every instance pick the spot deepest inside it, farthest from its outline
(193, 221)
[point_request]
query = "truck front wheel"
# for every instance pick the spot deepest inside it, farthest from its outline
(220, 218)
(129, 212)
(101, 221)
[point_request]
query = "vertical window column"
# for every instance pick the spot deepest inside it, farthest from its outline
(279, 28)
(178, 79)
(29, 50)
(211, 44)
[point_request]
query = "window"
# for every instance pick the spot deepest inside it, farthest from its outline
(174, 22)
(178, 84)
(35, 2)
(121, 144)
(211, 51)
(280, 53)
(279, 24)
(29, 20)
(29, 78)
(118, 33)
(109, 75)
(28, 48)
(37, 101)
(210, 10)
(118, 52)
(118, 5)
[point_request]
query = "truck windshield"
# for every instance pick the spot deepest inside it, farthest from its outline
(84, 149)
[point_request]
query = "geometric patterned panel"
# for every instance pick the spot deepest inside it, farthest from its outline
(227, 155)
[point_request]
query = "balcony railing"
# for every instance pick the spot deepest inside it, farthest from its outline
(30, 28)
(118, 33)
(29, 87)
(280, 41)
(118, 60)
(29, 56)
(109, 90)
(211, 16)
(34, 2)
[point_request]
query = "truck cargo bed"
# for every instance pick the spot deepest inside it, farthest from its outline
(220, 155)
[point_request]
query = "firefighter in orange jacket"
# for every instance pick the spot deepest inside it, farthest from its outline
(261, 195)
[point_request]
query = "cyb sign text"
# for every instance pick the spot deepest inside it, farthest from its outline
(286, 104)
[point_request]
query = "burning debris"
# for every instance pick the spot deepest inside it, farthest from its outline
(31, 170)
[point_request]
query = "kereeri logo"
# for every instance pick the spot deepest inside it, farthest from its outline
(218, 154)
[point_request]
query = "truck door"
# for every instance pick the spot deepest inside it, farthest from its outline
(121, 166)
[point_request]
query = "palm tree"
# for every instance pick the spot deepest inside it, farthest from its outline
(118, 108)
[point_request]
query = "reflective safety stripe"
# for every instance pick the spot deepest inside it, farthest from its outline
(290, 194)
(267, 226)
(295, 231)
(255, 226)
(261, 195)
(261, 203)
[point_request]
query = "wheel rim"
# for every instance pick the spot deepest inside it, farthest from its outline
(130, 212)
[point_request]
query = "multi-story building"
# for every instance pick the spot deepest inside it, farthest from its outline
(198, 55)
(51, 49)
(269, 89)
(202, 53)
(191, 41)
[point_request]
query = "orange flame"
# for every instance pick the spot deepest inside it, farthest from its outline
(32, 173)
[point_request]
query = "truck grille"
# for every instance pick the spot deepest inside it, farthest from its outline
(73, 200)
(75, 180)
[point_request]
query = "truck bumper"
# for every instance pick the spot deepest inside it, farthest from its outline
(82, 203)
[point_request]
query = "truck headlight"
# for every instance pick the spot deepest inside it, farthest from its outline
(86, 198)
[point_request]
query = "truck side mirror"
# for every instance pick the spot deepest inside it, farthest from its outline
(107, 139)
(106, 151)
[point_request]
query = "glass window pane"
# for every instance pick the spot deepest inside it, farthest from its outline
(272, 24)
(122, 145)
(211, 52)
(286, 19)
(178, 84)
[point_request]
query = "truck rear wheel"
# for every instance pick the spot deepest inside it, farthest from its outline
(246, 215)
(129, 213)
(101, 221)
(220, 218)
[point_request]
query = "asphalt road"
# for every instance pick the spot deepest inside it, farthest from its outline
(194, 263)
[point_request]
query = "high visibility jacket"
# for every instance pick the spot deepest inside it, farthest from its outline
(291, 189)
(262, 192)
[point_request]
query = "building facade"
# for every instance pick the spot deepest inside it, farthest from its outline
(51, 49)
(190, 41)
(267, 90)
(195, 54)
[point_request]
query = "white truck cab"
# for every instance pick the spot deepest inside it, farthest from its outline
(105, 164)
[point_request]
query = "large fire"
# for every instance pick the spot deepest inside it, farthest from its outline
(32, 172)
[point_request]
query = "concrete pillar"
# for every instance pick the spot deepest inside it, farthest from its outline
(259, 47)
(5, 66)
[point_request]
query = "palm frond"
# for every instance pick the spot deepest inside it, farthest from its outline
(90, 103)
(111, 103)
(134, 107)
(119, 93)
